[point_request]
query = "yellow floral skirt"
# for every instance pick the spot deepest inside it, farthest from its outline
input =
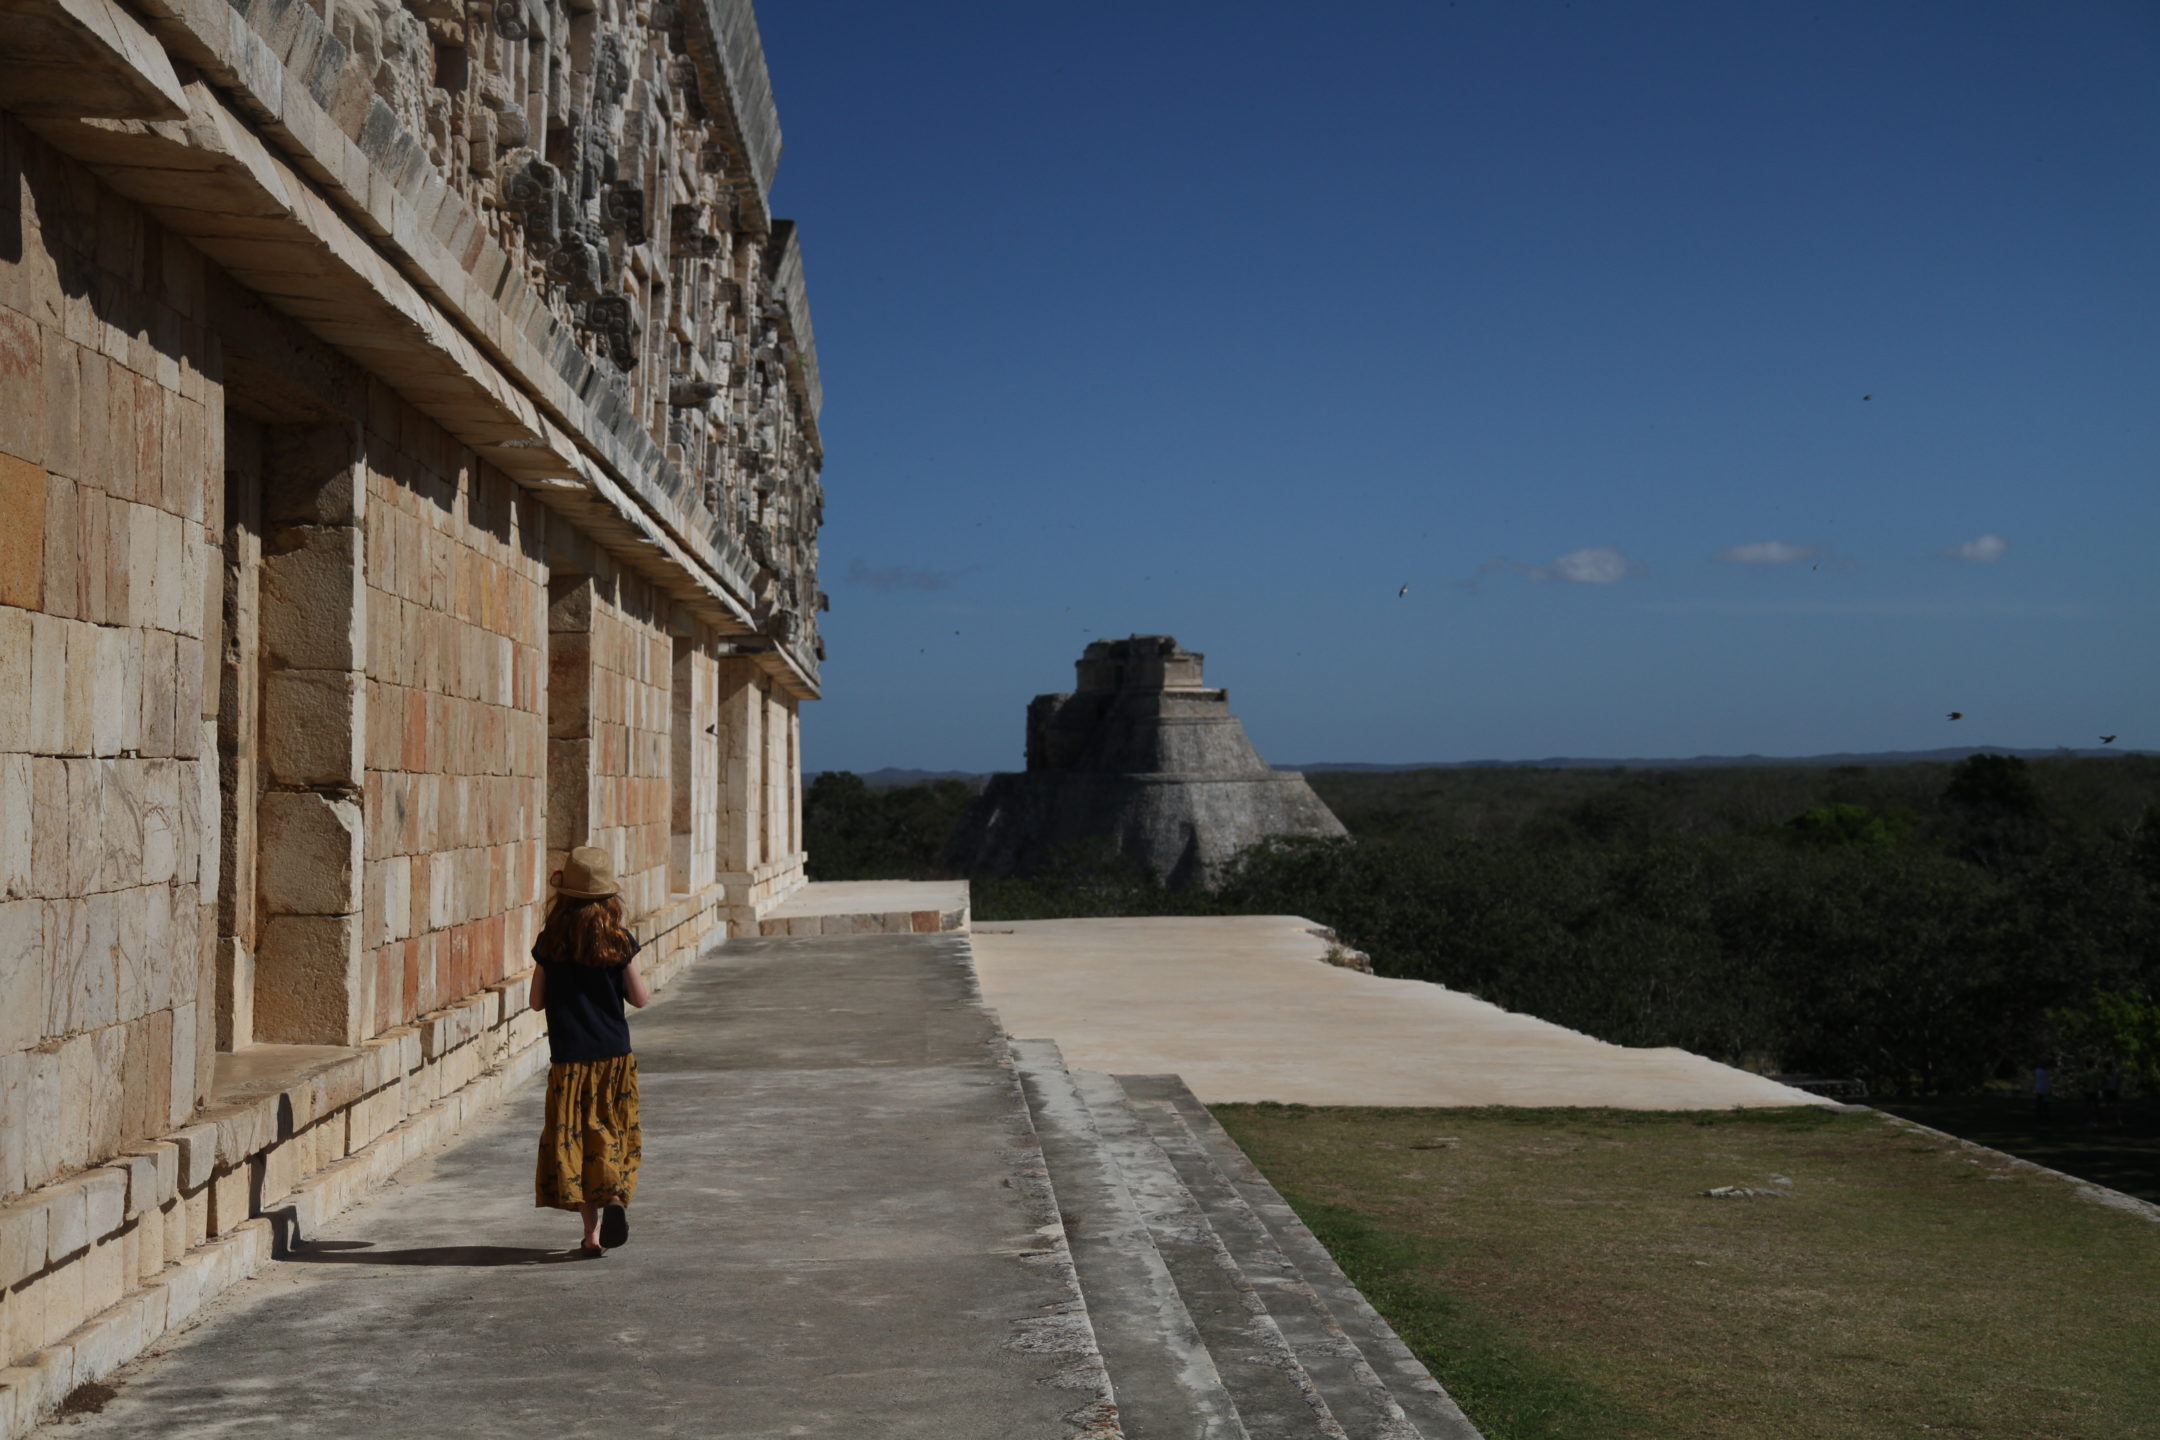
(589, 1148)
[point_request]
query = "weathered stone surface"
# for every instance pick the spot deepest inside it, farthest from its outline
(310, 858)
(313, 475)
(307, 981)
(313, 727)
(22, 539)
(15, 660)
(197, 1149)
(1143, 756)
(22, 1240)
(17, 1093)
(23, 974)
(312, 615)
(78, 58)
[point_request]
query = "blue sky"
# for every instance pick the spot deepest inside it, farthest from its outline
(1720, 378)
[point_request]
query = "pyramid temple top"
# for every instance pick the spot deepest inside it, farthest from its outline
(1138, 662)
(1143, 755)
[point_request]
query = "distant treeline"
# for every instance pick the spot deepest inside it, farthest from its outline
(1926, 927)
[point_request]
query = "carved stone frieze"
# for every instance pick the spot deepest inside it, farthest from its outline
(580, 266)
(611, 152)
(532, 187)
(622, 208)
(687, 236)
(614, 317)
(686, 392)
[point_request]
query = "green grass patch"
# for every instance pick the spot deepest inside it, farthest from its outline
(1517, 1392)
(1562, 1273)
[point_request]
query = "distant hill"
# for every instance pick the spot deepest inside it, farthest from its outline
(891, 776)
(1703, 762)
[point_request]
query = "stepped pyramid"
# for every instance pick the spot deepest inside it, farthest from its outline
(1142, 752)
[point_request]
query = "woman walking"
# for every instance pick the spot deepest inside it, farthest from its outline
(587, 968)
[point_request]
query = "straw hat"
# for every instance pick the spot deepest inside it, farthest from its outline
(588, 874)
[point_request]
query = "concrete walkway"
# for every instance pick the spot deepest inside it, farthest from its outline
(1244, 1008)
(838, 1233)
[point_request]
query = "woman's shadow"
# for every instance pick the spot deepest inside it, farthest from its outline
(289, 1244)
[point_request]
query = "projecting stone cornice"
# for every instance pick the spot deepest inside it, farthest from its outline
(362, 242)
(784, 269)
(735, 86)
(84, 57)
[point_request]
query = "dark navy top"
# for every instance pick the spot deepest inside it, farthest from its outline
(585, 1017)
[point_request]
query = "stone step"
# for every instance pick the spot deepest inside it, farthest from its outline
(1422, 1399)
(1165, 1381)
(1275, 1398)
(1359, 1400)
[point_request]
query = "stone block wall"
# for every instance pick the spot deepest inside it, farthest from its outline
(108, 433)
(456, 717)
(394, 816)
(694, 762)
(632, 675)
(408, 444)
(760, 819)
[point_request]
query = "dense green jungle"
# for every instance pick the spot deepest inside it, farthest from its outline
(1927, 928)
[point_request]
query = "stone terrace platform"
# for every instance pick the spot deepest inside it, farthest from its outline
(1243, 1008)
(863, 1212)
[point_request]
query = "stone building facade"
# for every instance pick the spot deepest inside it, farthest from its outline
(408, 470)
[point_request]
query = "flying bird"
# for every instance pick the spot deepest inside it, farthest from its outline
(1402, 592)
(1867, 397)
(2107, 739)
(1957, 714)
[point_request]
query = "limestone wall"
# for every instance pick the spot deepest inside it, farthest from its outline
(374, 532)
(109, 432)
(633, 665)
(456, 759)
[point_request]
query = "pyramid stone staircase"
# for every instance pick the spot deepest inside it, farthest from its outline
(1218, 1314)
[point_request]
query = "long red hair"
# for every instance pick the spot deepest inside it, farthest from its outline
(585, 931)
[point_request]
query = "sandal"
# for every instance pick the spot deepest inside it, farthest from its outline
(614, 1225)
(591, 1252)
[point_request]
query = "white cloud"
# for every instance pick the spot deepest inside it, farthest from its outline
(1986, 549)
(1592, 565)
(1768, 552)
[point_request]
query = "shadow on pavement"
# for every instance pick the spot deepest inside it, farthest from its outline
(362, 1252)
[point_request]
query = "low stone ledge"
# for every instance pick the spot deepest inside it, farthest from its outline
(197, 1145)
(153, 1169)
(885, 922)
(104, 1200)
(67, 1221)
(34, 1389)
(22, 1241)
